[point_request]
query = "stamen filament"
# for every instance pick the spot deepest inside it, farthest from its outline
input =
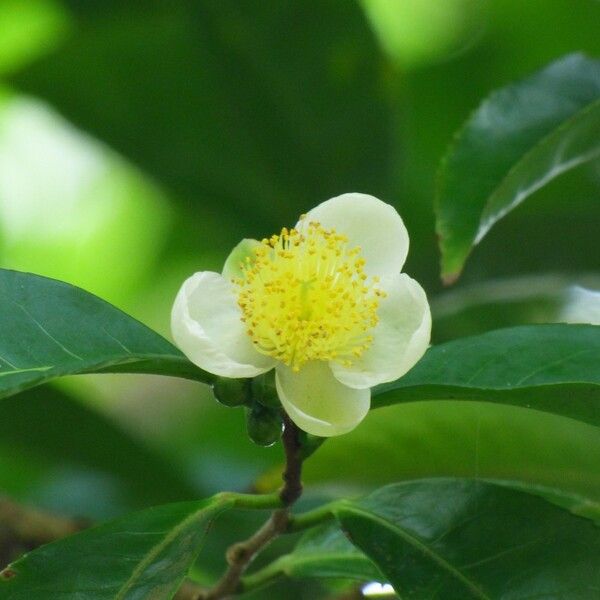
(305, 296)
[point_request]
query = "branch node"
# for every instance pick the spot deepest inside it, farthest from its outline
(240, 554)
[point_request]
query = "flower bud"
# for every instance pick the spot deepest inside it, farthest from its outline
(232, 392)
(264, 425)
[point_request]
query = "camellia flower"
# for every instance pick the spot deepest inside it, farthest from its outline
(324, 304)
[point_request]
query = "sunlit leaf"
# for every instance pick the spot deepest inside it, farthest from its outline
(419, 32)
(29, 29)
(70, 208)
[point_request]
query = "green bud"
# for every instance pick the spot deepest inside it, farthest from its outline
(264, 425)
(232, 392)
(264, 391)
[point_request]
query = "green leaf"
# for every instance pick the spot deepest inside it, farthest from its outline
(321, 552)
(553, 368)
(538, 451)
(49, 329)
(520, 138)
(457, 539)
(143, 555)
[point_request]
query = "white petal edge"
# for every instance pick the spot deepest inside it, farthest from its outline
(206, 326)
(369, 223)
(399, 339)
(317, 402)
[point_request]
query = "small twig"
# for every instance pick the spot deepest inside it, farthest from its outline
(189, 591)
(241, 554)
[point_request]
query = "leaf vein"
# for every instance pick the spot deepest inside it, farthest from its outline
(47, 333)
(555, 363)
(425, 549)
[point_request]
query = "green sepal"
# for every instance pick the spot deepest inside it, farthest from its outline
(263, 390)
(232, 392)
(309, 443)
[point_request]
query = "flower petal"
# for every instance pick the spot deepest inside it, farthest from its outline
(399, 339)
(245, 249)
(369, 223)
(317, 402)
(205, 322)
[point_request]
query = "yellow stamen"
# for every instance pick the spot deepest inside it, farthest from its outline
(307, 297)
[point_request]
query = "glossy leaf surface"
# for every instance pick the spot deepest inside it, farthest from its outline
(50, 328)
(553, 368)
(326, 552)
(519, 139)
(457, 540)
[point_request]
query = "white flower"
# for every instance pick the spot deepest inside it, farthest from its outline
(324, 304)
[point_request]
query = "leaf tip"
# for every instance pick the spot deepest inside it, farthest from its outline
(449, 279)
(7, 574)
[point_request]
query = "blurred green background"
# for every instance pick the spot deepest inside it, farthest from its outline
(140, 140)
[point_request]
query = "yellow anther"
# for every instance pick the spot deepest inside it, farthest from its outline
(310, 299)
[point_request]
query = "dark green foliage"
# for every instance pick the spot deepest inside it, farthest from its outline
(519, 139)
(547, 367)
(144, 555)
(264, 390)
(469, 539)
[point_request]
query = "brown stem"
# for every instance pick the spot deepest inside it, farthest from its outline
(189, 591)
(23, 529)
(241, 554)
(292, 487)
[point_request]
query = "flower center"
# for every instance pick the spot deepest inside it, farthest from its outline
(305, 296)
